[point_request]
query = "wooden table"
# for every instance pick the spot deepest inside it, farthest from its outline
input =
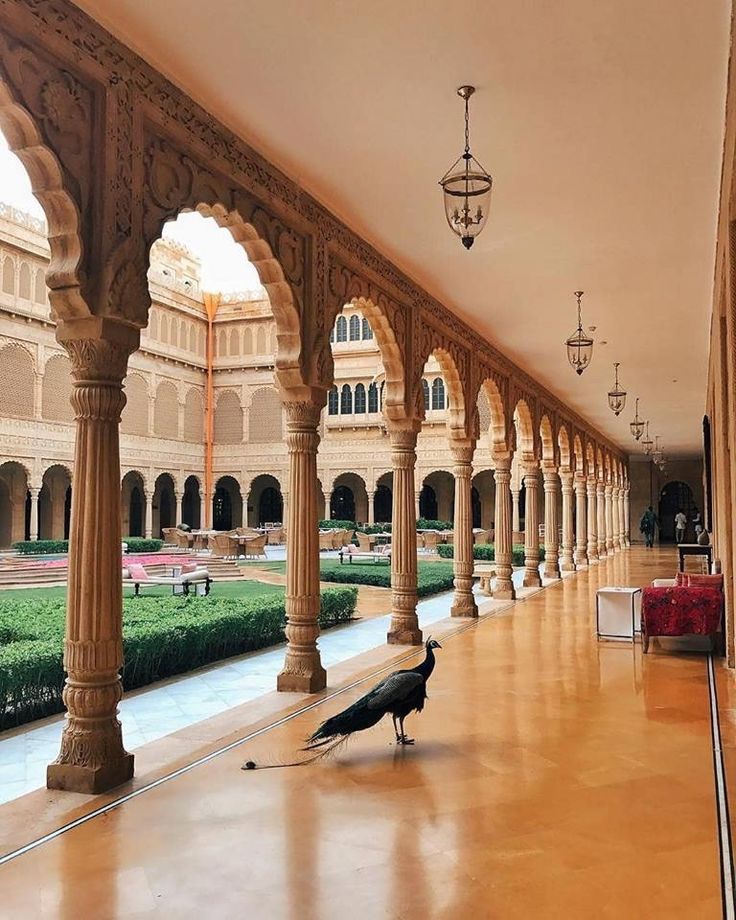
(694, 549)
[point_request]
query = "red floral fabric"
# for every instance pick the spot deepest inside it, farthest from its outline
(680, 611)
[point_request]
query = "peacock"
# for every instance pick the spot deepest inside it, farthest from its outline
(400, 693)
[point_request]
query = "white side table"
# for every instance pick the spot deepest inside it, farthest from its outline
(618, 613)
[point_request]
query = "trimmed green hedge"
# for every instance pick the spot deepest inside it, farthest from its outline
(142, 545)
(41, 547)
(337, 525)
(428, 524)
(376, 528)
(162, 636)
(432, 577)
(487, 552)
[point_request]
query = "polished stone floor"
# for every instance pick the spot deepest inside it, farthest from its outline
(553, 777)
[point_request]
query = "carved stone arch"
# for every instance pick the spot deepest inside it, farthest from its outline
(607, 467)
(578, 453)
(590, 460)
(493, 389)
(564, 446)
(457, 427)
(524, 429)
(388, 320)
(599, 469)
(46, 116)
(176, 182)
(134, 471)
(547, 439)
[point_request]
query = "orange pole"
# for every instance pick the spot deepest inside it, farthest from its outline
(211, 303)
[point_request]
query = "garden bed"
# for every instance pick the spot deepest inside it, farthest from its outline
(162, 636)
(486, 552)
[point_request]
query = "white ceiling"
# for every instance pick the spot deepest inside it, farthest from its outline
(601, 124)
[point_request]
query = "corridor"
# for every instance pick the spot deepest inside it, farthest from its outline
(553, 776)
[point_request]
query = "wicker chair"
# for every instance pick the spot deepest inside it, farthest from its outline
(365, 544)
(275, 537)
(247, 532)
(449, 536)
(481, 537)
(431, 539)
(339, 538)
(255, 548)
(221, 546)
(170, 536)
(325, 540)
(184, 540)
(420, 541)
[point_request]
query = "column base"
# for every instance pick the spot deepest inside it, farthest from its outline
(90, 780)
(504, 593)
(464, 607)
(294, 682)
(552, 572)
(568, 566)
(532, 580)
(404, 637)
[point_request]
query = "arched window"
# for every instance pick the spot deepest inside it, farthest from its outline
(346, 400)
(367, 331)
(425, 390)
(438, 393)
(333, 402)
(380, 402)
(341, 328)
(332, 335)
(355, 328)
(40, 286)
(359, 399)
(373, 398)
(24, 283)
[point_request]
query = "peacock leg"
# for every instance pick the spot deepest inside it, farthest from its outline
(404, 739)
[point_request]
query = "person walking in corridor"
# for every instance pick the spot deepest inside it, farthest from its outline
(648, 525)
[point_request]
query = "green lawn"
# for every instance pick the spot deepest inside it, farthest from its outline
(243, 589)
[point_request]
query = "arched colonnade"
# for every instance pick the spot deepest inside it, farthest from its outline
(107, 195)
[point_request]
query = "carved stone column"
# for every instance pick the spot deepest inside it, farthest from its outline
(371, 508)
(464, 604)
(202, 511)
(92, 757)
(328, 506)
(515, 511)
(567, 559)
(608, 510)
(178, 496)
(532, 578)
(148, 499)
(302, 671)
(592, 519)
(35, 492)
(404, 628)
(551, 525)
(627, 515)
(581, 522)
(504, 588)
(601, 518)
(615, 520)
(417, 500)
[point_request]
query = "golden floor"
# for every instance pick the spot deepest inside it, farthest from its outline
(553, 777)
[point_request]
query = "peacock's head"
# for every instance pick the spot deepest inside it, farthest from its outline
(433, 643)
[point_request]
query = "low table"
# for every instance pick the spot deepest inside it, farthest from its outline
(360, 555)
(618, 613)
(694, 549)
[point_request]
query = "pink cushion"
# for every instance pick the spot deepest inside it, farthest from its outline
(187, 567)
(137, 572)
(705, 581)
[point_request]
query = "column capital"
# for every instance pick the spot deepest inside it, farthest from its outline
(98, 348)
(302, 415)
(462, 452)
(566, 479)
(35, 491)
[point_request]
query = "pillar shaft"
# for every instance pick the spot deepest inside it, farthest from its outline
(148, 499)
(504, 588)
(567, 561)
(34, 513)
(615, 520)
(601, 519)
(92, 757)
(404, 628)
(551, 523)
(515, 510)
(627, 516)
(532, 578)
(302, 671)
(464, 604)
(328, 501)
(581, 520)
(608, 508)
(592, 518)
(371, 508)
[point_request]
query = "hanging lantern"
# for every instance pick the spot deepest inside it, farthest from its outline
(579, 345)
(616, 396)
(647, 443)
(466, 188)
(637, 426)
(657, 453)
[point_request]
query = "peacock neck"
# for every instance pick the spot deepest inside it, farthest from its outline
(427, 666)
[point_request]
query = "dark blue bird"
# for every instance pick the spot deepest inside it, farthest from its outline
(400, 693)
